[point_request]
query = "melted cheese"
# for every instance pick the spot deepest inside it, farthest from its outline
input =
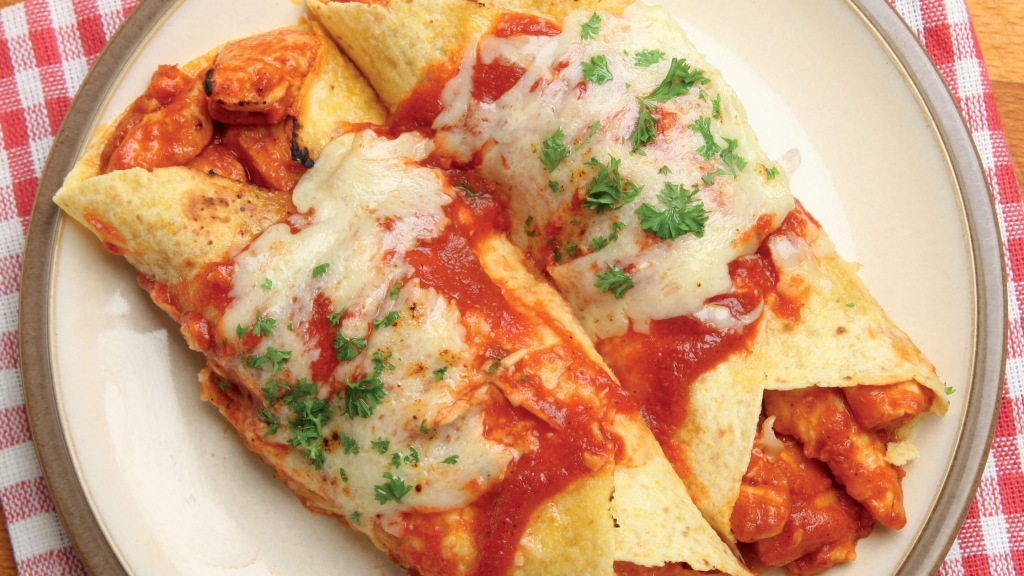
(363, 207)
(673, 277)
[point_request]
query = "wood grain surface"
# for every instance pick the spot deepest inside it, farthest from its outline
(1000, 28)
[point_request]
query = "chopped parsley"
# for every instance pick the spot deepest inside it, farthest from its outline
(646, 127)
(335, 317)
(277, 359)
(554, 150)
(320, 270)
(267, 284)
(708, 179)
(648, 58)
(365, 394)
(684, 213)
(608, 191)
(678, 81)
(344, 476)
(453, 459)
(396, 461)
(240, 331)
(615, 281)
(387, 321)
(349, 444)
(529, 223)
(554, 186)
(380, 445)
(271, 421)
(772, 173)
(716, 107)
(596, 70)
(495, 364)
(949, 389)
(590, 135)
(733, 161)
(591, 27)
(665, 170)
(307, 429)
(413, 457)
(263, 326)
(270, 392)
(465, 186)
(439, 373)
(355, 517)
(598, 243)
(572, 249)
(222, 385)
(601, 242)
(850, 304)
(391, 491)
(710, 148)
(394, 291)
(423, 427)
(345, 348)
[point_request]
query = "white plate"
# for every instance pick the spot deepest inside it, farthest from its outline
(175, 492)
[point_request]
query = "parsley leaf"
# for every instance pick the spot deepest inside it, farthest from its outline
(614, 280)
(529, 223)
(772, 173)
(554, 150)
(684, 213)
(664, 170)
(394, 291)
(344, 476)
(355, 517)
(596, 70)
(387, 321)
(396, 460)
(439, 373)
(453, 459)
(393, 490)
(413, 457)
(599, 243)
(572, 249)
(307, 429)
(495, 364)
(850, 304)
(335, 317)
(320, 270)
(346, 349)
(271, 421)
(648, 58)
(710, 148)
(591, 27)
(270, 391)
(263, 326)
(678, 81)
(608, 191)
(349, 444)
(646, 126)
(267, 284)
(277, 358)
(423, 427)
(240, 330)
(733, 161)
(716, 107)
(708, 179)
(380, 445)
(362, 396)
(590, 136)
(554, 186)
(465, 186)
(949, 389)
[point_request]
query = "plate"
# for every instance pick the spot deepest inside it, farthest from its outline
(150, 480)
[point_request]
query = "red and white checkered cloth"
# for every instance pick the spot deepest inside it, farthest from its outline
(46, 47)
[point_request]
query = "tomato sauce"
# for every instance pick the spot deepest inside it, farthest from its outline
(112, 238)
(320, 335)
(511, 24)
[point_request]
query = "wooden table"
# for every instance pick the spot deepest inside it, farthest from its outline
(1000, 27)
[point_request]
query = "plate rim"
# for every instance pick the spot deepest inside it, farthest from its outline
(977, 201)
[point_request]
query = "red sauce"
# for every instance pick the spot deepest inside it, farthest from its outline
(630, 569)
(511, 23)
(535, 477)
(419, 110)
(112, 238)
(220, 160)
(266, 153)
(657, 368)
(319, 335)
(208, 292)
(491, 81)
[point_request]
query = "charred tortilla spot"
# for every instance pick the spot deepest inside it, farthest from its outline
(208, 82)
(841, 330)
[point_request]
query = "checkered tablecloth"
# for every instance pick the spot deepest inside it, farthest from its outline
(46, 48)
